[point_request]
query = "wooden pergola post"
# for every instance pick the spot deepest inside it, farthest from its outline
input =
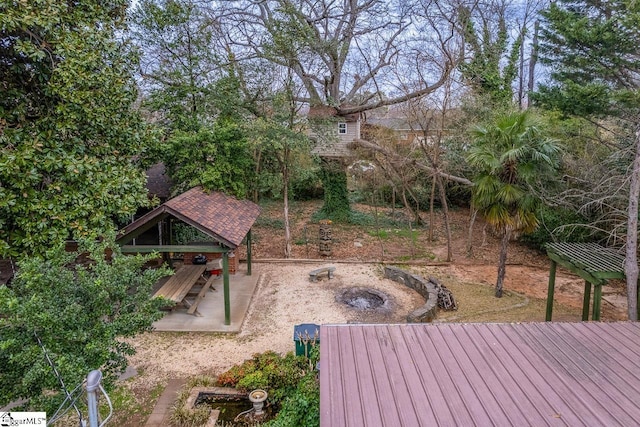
(550, 291)
(586, 298)
(594, 263)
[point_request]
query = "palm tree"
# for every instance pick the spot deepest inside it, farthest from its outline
(509, 154)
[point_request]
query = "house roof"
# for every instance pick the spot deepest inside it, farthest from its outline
(578, 374)
(222, 217)
(158, 182)
(394, 123)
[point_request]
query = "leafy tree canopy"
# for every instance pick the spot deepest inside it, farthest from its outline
(592, 47)
(80, 306)
(68, 135)
(510, 154)
(492, 67)
(216, 157)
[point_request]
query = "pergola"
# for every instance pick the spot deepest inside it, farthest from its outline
(594, 263)
(224, 218)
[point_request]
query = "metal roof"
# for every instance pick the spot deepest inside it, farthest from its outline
(538, 374)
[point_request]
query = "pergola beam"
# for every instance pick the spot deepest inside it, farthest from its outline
(592, 262)
(146, 249)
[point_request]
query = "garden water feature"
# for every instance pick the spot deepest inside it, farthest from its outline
(230, 406)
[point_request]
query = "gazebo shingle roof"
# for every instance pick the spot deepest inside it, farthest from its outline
(223, 217)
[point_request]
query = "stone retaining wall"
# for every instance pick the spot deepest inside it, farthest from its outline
(426, 288)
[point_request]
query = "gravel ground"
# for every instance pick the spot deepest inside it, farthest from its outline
(285, 298)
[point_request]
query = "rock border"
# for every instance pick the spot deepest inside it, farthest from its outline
(426, 288)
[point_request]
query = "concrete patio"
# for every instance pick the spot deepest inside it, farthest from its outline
(211, 308)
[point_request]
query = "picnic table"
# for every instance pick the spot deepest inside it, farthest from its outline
(182, 282)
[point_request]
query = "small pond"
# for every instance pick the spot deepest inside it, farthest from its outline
(231, 406)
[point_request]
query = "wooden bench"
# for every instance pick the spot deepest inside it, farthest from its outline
(179, 285)
(313, 275)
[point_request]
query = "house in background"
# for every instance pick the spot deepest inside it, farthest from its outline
(158, 186)
(332, 134)
(404, 126)
(399, 131)
(404, 131)
(158, 182)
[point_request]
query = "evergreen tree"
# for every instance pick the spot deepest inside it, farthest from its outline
(593, 50)
(69, 138)
(75, 307)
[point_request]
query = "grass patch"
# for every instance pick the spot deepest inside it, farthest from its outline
(182, 416)
(420, 255)
(477, 303)
(386, 234)
(268, 222)
(130, 407)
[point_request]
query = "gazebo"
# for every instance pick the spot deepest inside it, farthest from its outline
(225, 219)
(594, 263)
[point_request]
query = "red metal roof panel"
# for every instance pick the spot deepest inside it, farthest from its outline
(538, 374)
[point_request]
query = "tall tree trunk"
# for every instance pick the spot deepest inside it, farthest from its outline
(445, 214)
(285, 196)
(631, 257)
(502, 262)
(472, 221)
(258, 158)
(415, 210)
(521, 69)
(431, 201)
(533, 60)
(336, 198)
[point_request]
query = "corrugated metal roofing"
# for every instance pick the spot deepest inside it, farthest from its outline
(538, 374)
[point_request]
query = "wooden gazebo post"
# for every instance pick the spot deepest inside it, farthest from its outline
(225, 283)
(249, 253)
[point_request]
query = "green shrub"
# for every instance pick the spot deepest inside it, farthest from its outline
(276, 374)
(306, 184)
(291, 382)
(558, 224)
(302, 407)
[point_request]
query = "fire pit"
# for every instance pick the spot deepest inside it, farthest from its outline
(366, 299)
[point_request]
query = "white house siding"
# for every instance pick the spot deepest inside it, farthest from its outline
(337, 145)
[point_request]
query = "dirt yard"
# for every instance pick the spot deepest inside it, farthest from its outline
(285, 297)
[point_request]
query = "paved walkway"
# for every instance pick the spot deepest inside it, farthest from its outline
(161, 412)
